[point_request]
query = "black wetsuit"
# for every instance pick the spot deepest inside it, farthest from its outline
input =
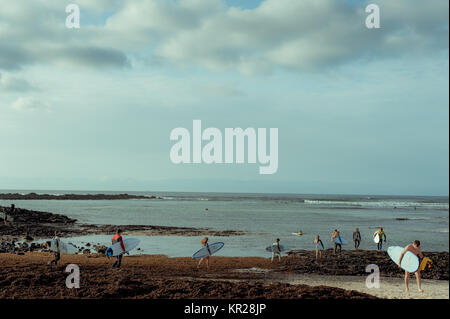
(357, 238)
(57, 253)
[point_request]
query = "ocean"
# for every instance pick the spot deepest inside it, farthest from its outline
(264, 217)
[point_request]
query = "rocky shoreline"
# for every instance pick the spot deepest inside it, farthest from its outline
(151, 276)
(25, 225)
(35, 196)
(353, 263)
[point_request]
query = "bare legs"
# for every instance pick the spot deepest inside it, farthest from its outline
(318, 254)
(201, 260)
(273, 256)
(417, 273)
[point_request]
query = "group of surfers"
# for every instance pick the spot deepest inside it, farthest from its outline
(356, 240)
(414, 248)
(276, 250)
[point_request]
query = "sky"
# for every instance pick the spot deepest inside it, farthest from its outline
(358, 110)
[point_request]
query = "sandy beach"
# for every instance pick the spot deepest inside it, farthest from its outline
(390, 288)
(157, 276)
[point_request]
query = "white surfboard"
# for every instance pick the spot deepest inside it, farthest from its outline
(64, 248)
(410, 262)
(116, 249)
(297, 234)
(376, 239)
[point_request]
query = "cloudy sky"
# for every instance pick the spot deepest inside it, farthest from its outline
(362, 111)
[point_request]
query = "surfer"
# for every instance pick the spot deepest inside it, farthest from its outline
(381, 234)
(337, 245)
(115, 239)
(11, 213)
(276, 250)
(319, 247)
(357, 238)
(57, 250)
(205, 243)
(415, 249)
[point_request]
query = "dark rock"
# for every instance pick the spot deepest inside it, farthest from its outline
(101, 249)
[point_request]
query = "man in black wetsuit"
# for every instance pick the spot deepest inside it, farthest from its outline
(357, 238)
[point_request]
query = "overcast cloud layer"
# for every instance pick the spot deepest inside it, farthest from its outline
(279, 33)
(359, 110)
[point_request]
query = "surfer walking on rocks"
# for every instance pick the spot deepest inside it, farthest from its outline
(205, 243)
(115, 239)
(357, 238)
(380, 234)
(276, 250)
(337, 245)
(415, 249)
(319, 247)
(57, 249)
(11, 213)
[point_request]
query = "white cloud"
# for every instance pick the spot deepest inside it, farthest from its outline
(30, 103)
(13, 83)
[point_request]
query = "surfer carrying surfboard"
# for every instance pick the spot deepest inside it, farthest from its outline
(380, 234)
(319, 247)
(276, 250)
(415, 249)
(205, 244)
(117, 238)
(57, 244)
(337, 244)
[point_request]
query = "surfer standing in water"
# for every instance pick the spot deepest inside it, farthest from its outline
(334, 235)
(319, 247)
(415, 249)
(205, 243)
(381, 234)
(118, 238)
(357, 238)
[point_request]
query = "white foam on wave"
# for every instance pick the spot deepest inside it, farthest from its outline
(379, 204)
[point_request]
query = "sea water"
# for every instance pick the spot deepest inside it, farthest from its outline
(262, 217)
